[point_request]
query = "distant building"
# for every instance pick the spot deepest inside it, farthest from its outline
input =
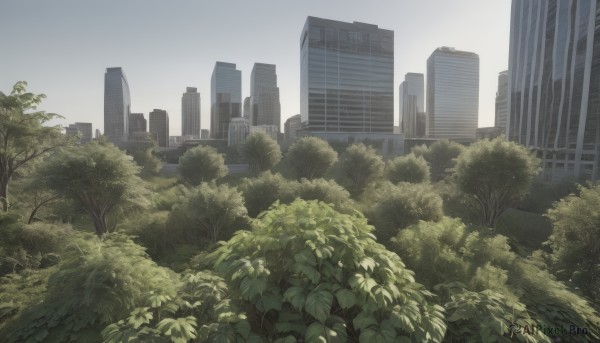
(204, 134)
(292, 126)
(190, 113)
(452, 93)
(98, 134)
(159, 127)
(386, 144)
(239, 128)
(117, 106)
(84, 130)
(488, 132)
(502, 101)
(346, 77)
(264, 96)
(271, 130)
(137, 123)
(247, 108)
(412, 102)
(226, 98)
(175, 141)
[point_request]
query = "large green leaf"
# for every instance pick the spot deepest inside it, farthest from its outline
(318, 304)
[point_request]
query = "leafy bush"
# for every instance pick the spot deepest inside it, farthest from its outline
(201, 164)
(407, 168)
(261, 152)
(310, 158)
(326, 191)
(261, 192)
(358, 167)
(441, 156)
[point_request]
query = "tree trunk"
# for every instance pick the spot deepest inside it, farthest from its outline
(4, 192)
(99, 223)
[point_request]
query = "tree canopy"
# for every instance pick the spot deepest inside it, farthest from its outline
(441, 157)
(261, 152)
(409, 168)
(310, 158)
(201, 164)
(359, 166)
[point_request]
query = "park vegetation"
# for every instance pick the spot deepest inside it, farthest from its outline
(445, 244)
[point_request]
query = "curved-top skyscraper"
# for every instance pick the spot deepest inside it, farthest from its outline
(117, 105)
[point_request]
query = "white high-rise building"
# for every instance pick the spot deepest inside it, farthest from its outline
(412, 103)
(117, 106)
(502, 101)
(265, 108)
(452, 93)
(190, 113)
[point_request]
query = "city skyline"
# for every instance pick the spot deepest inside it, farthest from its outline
(78, 46)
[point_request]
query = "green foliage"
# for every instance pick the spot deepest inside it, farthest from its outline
(97, 282)
(358, 167)
(326, 191)
(395, 207)
(446, 252)
(145, 158)
(306, 272)
(456, 203)
(543, 195)
(441, 157)
(409, 168)
(496, 174)
(261, 152)
(575, 240)
(209, 214)
(99, 178)
(201, 164)
(23, 137)
(261, 192)
(310, 158)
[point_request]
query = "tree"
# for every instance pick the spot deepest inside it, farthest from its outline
(307, 273)
(201, 164)
(396, 207)
(441, 157)
(575, 240)
(496, 174)
(23, 137)
(143, 154)
(261, 192)
(209, 214)
(310, 157)
(98, 178)
(409, 168)
(358, 166)
(327, 191)
(261, 152)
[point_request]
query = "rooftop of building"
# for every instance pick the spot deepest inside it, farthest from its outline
(350, 26)
(452, 51)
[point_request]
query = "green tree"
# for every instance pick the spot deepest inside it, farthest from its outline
(209, 214)
(395, 207)
(144, 154)
(358, 167)
(441, 157)
(496, 174)
(409, 168)
(23, 136)
(327, 191)
(306, 272)
(201, 164)
(575, 240)
(97, 178)
(261, 152)
(310, 157)
(261, 192)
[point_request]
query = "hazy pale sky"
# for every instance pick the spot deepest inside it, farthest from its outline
(63, 47)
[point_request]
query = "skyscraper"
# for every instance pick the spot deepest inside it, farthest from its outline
(412, 103)
(84, 130)
(247, 108)
(226, 98)
(137, 123)
(239, 128)
(452, 93)
(159, 127)
(502, 101)
(291, 127)
(264, 95)
(346, 77)
(190, 113)
(117, 105)
(554, 85)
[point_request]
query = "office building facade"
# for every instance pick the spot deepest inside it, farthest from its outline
(226, 98)
(501, 101)
(239, 128)
(190, 113)
(346, 77)
(159, 127)
(264, 96)
(137, 123)
(554, 85)
(117, 105)
(452, 93)
(412, 104)
(291, 127)
(83, 130)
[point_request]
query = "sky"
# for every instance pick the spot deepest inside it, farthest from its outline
(63, 47)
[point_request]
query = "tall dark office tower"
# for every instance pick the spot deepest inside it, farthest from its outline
(554, 85)
(412, 103)
(264, 95)
(159, 127)
(226, 98)
(502, 101)
(137, 123)
(452, 93)
(117, 105)
(346, 77)
(190, 113)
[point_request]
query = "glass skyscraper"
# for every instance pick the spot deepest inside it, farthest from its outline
(264, 96)
(159, 127)
(226, 98)
(346, 77)
(190, 113)
(501, 101)
(117, 105)
(554, 85)
(452, 93)
(412, 104)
